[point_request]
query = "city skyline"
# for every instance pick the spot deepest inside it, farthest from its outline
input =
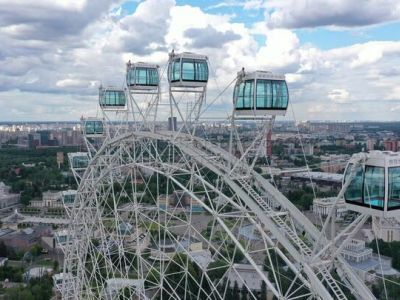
(339, 57)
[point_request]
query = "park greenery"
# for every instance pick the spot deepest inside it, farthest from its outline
(35, 289)
(303, 197)
(32, 172)
(391, 249)
(392, 286)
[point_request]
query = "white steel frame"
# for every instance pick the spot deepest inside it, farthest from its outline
(233, 196)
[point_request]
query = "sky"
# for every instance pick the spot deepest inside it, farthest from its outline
(341, 58)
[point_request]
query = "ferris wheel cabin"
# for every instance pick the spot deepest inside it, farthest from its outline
(93, 127)
(187, 70)
(112, 98)
(260, 94)
(375, 186)
(78, 160)
(142, 76)
(68, 197)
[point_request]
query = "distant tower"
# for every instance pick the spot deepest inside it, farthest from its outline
(269, 143)
(60, 159)
(172, 124)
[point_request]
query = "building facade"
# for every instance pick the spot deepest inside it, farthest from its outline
(49, 200)
(7, 199)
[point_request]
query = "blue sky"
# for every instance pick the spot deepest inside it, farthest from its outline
(341, 60)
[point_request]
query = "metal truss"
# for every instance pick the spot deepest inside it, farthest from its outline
(169, 215)
(232, 201)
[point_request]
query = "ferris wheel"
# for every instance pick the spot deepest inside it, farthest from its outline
(167, 214)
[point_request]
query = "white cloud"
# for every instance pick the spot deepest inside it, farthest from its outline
(48, 19)
(75, 83)
(73, 5)
(247, 5)
(40, 73)
(340, 13)
(281, 49)
(22, 106)
(339, 95)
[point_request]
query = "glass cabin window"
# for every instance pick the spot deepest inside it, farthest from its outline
(248, 94)
(245, 94)
(354, 190)
(152, 76)
(374, 186)
(394, 188)
(98, 127)
(70, 198)
(264, 94)
(142, 76)
(280, 94)
(93, 127)
(201, 70)
(175, 71)
(89, 127)
(80, 162)
(239, 95)
(188, 70)
(120, 98)
(271, 94)
(113, 98)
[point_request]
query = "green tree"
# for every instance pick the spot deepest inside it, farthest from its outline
(178, 266)
(236, 291)
(243, 293)
(229, 292)
(3, 249)
(55, 265)
(392, 287)
(306, 201)
(263, 293)
(36, 250)
(217, 269)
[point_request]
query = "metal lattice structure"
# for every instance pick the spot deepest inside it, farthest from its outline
(169, 215)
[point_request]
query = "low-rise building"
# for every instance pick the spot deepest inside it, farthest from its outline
(319, 177)
(365, 263)
(246, 277)
(387, 230)
(113, 287)
(3, 261)
(26, 238)
(322, 207)
(37, 272)
(49, 199)
(179, 200)
(7, 199)
(193, 247)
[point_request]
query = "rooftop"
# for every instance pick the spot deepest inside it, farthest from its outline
(331, 177)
